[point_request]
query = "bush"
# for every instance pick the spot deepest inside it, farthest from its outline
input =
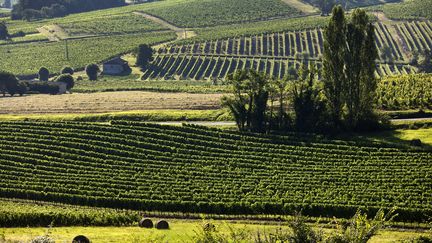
(21, 88)
(92, 71)
(67, 79)
(162, 225)
(146, 223)
(43, 74)
(67, 70)
(44, 87)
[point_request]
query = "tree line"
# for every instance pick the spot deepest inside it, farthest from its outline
(344, 99)
(37, 9)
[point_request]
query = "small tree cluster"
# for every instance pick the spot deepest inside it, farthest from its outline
(10, 84)
(4, 34)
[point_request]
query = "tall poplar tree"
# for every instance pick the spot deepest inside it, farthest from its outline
(333, 63)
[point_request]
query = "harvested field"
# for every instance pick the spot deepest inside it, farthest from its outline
(107, 102)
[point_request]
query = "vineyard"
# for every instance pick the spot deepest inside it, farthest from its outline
(27, 58)
(194, 169)
(405, 92)
(411, 10)
(203, 13)
(274, 53)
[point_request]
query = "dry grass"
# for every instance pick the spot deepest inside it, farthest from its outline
(107, 102)
(300, 5)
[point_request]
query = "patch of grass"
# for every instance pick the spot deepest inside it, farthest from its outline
(180, 231)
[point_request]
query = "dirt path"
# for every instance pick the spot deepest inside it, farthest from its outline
(300, 5)
(182, 33)
(53, 32)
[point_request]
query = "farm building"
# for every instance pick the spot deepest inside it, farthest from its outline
(116, 66)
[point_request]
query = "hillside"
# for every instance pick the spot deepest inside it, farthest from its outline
(194, 169)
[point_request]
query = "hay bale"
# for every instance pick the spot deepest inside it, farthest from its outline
(146, 223)
(416, 143)
(162, 224)
(80, 239)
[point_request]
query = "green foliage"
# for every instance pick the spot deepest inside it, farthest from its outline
(67, 70)
(4, 34)
(249, 104)
(92, 71)
(360, 229)
(144, 55)
(349, 70)
(43, 74)
(8, 82)
(308, 102)
(161, 165)
(405, 92)
(203, 13)
(68, 79)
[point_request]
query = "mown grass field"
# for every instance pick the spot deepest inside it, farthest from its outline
(181, 231)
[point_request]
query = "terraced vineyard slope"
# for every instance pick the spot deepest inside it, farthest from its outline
(194, 169)
(275, 53)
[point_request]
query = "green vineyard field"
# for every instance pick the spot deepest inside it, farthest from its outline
(274, 53)
(194, 169)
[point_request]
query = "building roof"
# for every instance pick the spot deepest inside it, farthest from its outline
(116, 61)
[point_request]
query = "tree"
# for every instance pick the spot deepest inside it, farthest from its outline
(8, 82)
(92, 71)
(67, 79)
(67, 70)
(333, 63)
(4, 34)
(308, 102)
(349, 68)
(144, 55)
(248, 105)
(43, 74)
(20, 88)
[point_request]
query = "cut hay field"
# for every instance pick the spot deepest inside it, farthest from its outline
(108, 102)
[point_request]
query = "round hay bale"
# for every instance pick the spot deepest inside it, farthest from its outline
(80, 239)
(162, 224)
(416, 143)
(146, 223)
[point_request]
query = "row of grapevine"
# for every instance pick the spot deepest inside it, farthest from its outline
(417, 35)
(194, 169)
(307, 44)
(199, 67)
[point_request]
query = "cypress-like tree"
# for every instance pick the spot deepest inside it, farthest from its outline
(333, 63)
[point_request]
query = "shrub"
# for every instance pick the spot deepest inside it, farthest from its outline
(92, 71)
(44, 87)
(67, 70)
(162, 224)
(68, 79)
(146, 223)
(43, 74)
(20, 88)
